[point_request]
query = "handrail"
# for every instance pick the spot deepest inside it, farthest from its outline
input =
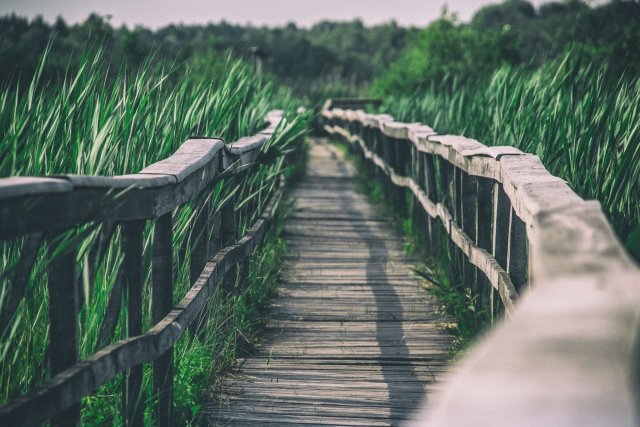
(567, 355)
(71, 200)
(35, 206)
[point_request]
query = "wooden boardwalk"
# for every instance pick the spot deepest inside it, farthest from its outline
(353, 339)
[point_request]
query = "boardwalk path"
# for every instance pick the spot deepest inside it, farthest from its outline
(353, 339)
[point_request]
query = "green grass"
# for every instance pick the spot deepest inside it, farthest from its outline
(94, 123)
(584, 127)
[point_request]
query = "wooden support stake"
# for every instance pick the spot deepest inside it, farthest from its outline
(457, 256)
(483, 237)
(162, 302)
(469, 224)
(501, 220)
(517, 259)
(431, 189)
(228, 236)
(64, 303)
(132, 247)
(484, 216)
(199, 256)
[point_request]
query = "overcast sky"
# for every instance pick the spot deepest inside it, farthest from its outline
(157, 13)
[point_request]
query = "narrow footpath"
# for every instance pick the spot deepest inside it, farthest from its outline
(353, 339)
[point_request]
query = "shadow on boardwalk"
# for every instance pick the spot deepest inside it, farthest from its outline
(353, 338)
(387, 327)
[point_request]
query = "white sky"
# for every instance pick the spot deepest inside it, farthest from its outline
(158, 13)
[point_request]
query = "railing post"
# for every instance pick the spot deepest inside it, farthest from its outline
(378, 149)
(162, 302)
(215, 234)
(199, 255)
(446, 192)
(469, 211)
(63, 318)
(456, 200)
(501, 220)
(420, 227)
(132, 277)
(228, 236)
(431, 188)
(483, 237)
(517, 260)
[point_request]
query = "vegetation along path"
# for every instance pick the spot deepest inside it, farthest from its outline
(353, 338)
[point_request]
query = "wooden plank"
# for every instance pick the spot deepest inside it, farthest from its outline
(132, 247)
(162, 302)
(64, 303)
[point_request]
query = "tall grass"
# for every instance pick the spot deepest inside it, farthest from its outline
(584, 127)
(91, 123)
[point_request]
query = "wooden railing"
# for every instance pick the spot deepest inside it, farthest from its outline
(41, 210)
(567, 353)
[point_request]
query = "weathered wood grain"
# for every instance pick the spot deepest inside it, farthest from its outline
(353, 338)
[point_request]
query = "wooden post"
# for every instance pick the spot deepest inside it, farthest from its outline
(403, 163)
(243, 274)
(446, 192)
(431, 187)
(483, 237)
(215, 235)
(416, 219)
(199, 255)
(162, 302)
(228, 236)
(396, 155)
(63, 318)
(484, 213)
(469, 224)
(517, 259)
(132, 247)
(228, 223)
(456, 212)
(501, 220)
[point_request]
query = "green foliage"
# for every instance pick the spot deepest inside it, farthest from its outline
(512, 33)
(336, 54)
(81, 125)
(443, 51)
(608, 33)
(457, 302)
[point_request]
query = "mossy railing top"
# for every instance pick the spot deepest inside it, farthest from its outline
(41, 210)
(568, 352)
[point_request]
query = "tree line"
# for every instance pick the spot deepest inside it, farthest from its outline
(333, 58)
